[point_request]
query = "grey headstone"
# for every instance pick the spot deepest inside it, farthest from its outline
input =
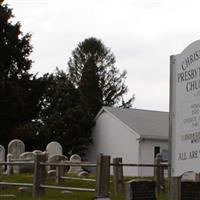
(54, 148)
(83, 174)
(188, 176)
(36, 151)
(75, 169)
(16, 147)
(140, 189)
(2, 158)
(190, 190)
(56, 159)
(28, 157)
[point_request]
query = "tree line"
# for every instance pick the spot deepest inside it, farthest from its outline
(57, 106)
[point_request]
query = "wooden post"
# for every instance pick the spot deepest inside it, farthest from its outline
(175, 188)
(39, 175)
(162, 179)
(118, 176)
(9, 170)
(159, 174)
(60, 171)
(102, 176)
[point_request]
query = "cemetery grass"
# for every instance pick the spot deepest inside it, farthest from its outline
(54, 194)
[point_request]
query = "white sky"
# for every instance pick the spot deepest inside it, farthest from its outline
(142, 34)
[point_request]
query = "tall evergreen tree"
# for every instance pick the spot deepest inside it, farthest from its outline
(91, 94)
(92, 70)
(19, 92)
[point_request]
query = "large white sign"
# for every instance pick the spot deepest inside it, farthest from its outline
(185, 110)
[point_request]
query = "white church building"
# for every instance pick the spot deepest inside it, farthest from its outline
(133, 134)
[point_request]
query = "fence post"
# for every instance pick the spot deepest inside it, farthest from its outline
(9, 169)
(39, 174)
(162, 178)
(102, 176)
(118, 176)
(60, 171)
(159, 174)
(175, 188)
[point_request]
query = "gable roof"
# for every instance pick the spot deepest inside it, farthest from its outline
(148, 124)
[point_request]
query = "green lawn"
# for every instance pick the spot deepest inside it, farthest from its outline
(53, 194)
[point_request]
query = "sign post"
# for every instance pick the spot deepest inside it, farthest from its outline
(184, 130)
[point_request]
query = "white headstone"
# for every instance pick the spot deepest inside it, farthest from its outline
(16, 147)
(56, 159)
(37, 152)
(75, 169)
(28, 157)
(2, 157)
(54, 148)
(188, 176)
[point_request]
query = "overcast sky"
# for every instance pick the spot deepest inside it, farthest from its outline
(142, 34)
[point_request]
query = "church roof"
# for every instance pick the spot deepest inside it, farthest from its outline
(147, 123)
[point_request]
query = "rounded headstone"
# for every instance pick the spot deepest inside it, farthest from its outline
(75, 169)
(56, 159)
(16, 147)
(37, 152)
(54, 148)
(28, 157)
(83, 174)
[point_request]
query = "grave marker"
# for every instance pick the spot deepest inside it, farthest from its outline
(16, 147)
(75, 169)
(2, 158)
(28, 157)
(54, 148)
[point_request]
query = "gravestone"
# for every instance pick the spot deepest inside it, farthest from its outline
(141, 189)
(56, 159)
(2, 158)
(54, 148)
(36, 151)
(28, 157)
(16, 147)
(188, 176)
(75, 169)
(190, 190)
